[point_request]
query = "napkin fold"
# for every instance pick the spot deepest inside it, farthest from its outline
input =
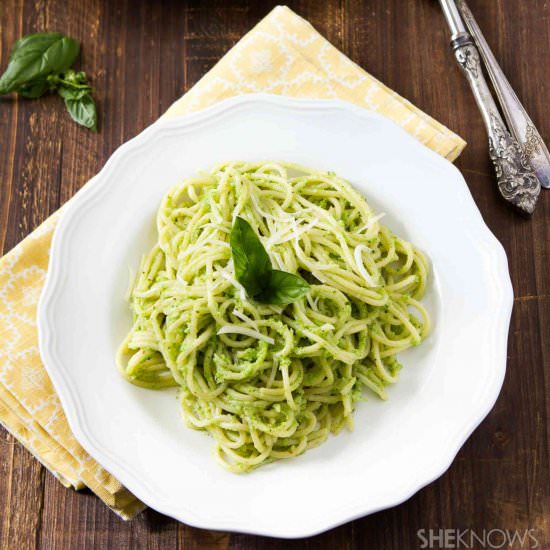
(282, 55)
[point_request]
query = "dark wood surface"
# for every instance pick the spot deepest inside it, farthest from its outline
(141, 56)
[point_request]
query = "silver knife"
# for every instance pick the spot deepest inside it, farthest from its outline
(519, 123)
(516, 180)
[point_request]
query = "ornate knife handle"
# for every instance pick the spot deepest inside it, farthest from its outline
(516, 181)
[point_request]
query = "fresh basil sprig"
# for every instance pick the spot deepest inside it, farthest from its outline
(254, 271)
(41, 63)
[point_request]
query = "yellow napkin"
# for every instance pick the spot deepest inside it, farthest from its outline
(283, 55)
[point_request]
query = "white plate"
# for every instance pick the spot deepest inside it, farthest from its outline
(447, 386)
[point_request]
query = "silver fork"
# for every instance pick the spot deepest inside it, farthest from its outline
(519, 123)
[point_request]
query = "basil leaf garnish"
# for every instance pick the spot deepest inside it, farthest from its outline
(37, 55)
(254, 271)
(283, 288)
(252, 264)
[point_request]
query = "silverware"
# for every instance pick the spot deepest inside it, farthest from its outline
(516, 180)
(519, 123)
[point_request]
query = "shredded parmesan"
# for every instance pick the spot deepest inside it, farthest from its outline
(319, 276)
(217, 226)
(310, 300)
(238, 329)
(361, 266)
(278, 260)
(283, 236)
(296, 232)
(372, 220)
(240, 315)
(265, 214)
(235, 283)
(259, 209)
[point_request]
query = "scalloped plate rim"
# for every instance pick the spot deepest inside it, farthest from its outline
(69, 400)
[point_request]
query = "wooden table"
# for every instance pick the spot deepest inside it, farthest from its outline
(500, 478)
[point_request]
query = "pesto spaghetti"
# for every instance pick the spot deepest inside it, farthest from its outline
(269, 380)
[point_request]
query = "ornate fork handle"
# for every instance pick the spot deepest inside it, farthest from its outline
(516, 181)
(519, 123)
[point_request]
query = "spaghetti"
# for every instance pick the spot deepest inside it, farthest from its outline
(266, 381)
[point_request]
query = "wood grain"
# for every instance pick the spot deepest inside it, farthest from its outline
(143, 55)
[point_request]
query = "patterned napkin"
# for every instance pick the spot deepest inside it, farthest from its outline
(283, 55)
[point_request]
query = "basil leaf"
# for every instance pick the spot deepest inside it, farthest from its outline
(252, 264)
(283, 288)
(82, 110)
(37, 55)
(71, 93)
(253, 269)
